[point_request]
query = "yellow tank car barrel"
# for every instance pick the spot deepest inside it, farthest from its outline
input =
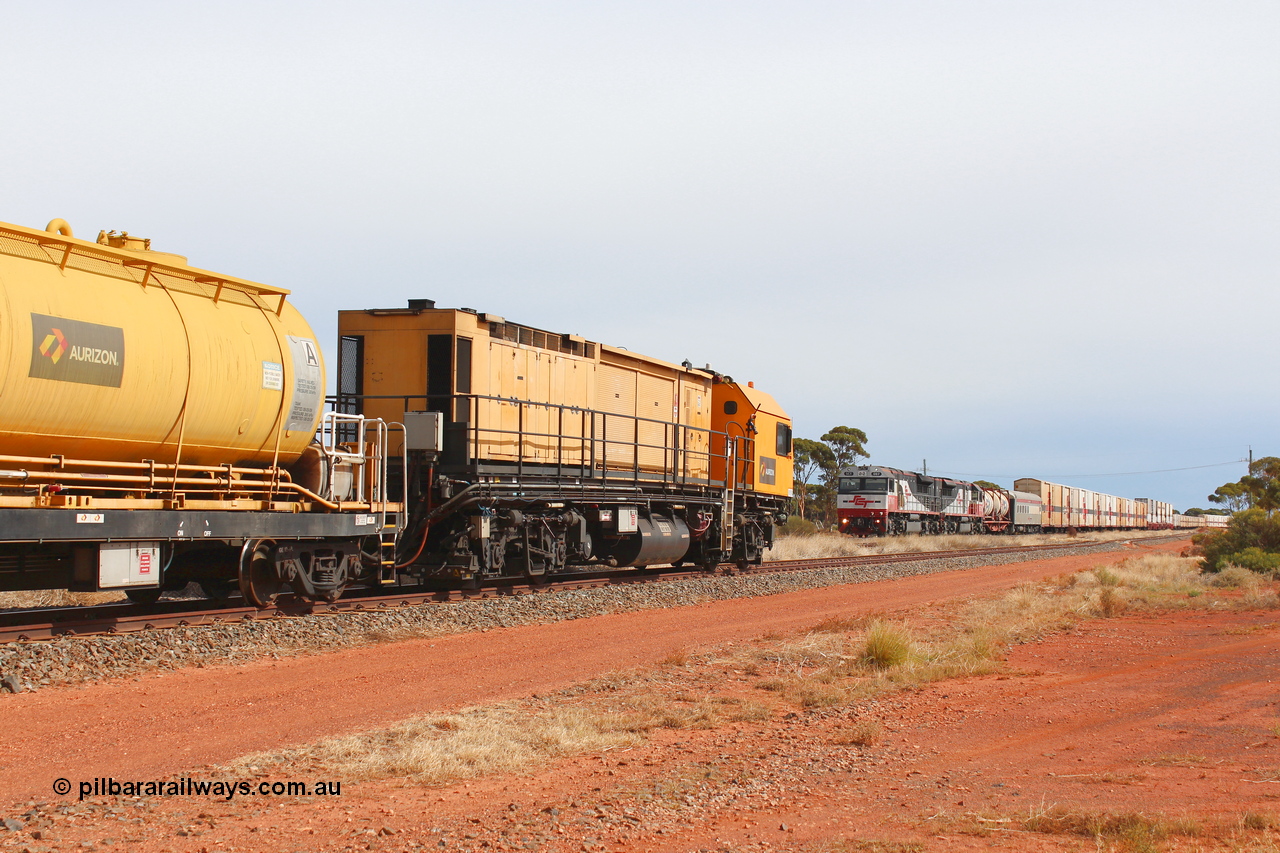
(114, 352)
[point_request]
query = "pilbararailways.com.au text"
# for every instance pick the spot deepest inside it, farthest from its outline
(227, 789)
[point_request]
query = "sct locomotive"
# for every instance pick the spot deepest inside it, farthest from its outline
(166, 424)
(874, 500)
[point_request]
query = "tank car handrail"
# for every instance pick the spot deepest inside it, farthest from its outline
(133, 482)
(131, 259)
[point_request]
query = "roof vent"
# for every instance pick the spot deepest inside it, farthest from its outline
(422, 304)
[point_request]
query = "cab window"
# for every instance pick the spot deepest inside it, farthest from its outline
(784, 439)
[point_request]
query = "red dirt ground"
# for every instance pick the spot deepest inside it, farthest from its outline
(1171, 715)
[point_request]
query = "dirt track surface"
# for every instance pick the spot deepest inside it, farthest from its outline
(1170, 715)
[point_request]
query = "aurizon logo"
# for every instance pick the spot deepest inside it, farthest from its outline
(54, 346)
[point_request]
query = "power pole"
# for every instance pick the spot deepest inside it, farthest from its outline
(1250, 473)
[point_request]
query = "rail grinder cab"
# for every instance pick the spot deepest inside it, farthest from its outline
(533, 453)
(754, 432)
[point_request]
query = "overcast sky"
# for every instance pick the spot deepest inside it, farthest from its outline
(1015, 239)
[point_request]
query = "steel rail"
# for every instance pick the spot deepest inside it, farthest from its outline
(129, 618)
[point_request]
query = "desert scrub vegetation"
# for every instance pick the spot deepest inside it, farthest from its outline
(1131, 831)
(472, 742)
(840, 661)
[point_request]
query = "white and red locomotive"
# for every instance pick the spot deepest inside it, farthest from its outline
(875, 501)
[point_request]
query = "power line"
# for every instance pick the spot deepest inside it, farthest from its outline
(1115, 474)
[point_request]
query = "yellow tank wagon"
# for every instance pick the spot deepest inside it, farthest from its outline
(160, 424)
(111, 351)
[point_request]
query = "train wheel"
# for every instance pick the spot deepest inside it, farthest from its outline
(259, 580)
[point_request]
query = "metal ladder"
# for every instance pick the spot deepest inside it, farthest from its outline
(726, 506)
(369, 463)
(387, 552)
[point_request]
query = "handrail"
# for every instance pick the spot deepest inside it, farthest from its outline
(151, 262)
(594, 439)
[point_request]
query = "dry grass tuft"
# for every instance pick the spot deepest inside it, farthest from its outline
(863, 733)
(473, 742)
(1257, 820)
(887, 645)
(27, 599)
(1260, 599)
(1233, 577)
(1106, 577)
(838, 625)
(746, 711)
(1110, 602)
(1183, 759)
(1132, 831)
(676, 658)
(648, 712)
(870, 845)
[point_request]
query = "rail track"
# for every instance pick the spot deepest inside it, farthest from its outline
(47, 623)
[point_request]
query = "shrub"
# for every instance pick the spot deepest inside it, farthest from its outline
(1106, 577)
(1255, 559)
(797, 526)
(1252, 528)
(1110, 602)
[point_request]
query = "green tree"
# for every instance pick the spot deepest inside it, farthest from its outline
(847, 444)
(1259, 489)
(987, 484)
(812, 459)
(1232, 495)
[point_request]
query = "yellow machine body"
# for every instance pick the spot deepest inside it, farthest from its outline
(527, 395)
(761, 432)
(109, 351)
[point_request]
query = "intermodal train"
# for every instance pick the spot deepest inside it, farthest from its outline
(874, 500)
(164, 424)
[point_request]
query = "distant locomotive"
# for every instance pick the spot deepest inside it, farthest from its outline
(877, 501)
(165, 424)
